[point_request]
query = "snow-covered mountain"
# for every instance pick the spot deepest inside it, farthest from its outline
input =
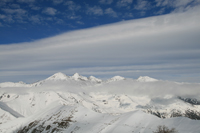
(58, 76)
(80, 104)
(146, 79)
(115, 78)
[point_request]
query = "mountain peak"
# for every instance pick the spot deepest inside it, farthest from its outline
(116, 78)
(146, 79)
(77, 76)
(58, 76)
(94, 79)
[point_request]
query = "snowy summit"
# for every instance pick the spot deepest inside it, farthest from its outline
(146, 79)
(58, 76)
(94, 79)
(82, 104)
(77, 76)
(116, 78)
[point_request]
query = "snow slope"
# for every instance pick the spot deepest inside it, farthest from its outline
(146, 79)
(76, 103)
(58, 76)
(78, 119)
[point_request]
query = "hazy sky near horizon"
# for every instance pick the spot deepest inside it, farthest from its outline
(159, 39)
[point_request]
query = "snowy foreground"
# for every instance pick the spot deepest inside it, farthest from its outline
(78, 104)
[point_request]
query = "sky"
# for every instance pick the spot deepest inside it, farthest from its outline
(103, 38)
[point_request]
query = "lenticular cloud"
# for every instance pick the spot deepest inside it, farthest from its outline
(158, 46)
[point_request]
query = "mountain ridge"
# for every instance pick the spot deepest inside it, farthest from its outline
(76, 76)
(60, 103)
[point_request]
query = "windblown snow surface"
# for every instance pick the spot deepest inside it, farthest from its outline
(78, 104)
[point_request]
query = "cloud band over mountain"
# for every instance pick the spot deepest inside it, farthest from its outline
(164, 47)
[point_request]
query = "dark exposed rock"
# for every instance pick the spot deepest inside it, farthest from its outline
(192, 114)
(176, 113)
(192, 101)
(39, 126)
(48, 127)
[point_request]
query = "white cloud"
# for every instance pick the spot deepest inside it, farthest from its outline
(151, 89)
(158, 2)
(128, 15)
(57, 1)
(142, 5)
(72, 6)
(96, 10)
(7, 0)
(14, 15)
(8, 19)
(158, 46)
(59, 21)
(164, 3)
(161, 11)
(71, 11)
(33, 7)
(2, 16)
(111, 12)
(178, 5)
(182, 6)
(14, 5)
(15, 11)
(105, 1)
(35, 19)
(124, 3)
(25, 1)
(80, 22)
(3, 2)
(72, 16)
(49, 11)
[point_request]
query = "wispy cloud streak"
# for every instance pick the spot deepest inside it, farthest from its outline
(157, 46)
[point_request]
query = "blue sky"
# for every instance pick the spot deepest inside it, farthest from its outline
(104, 38)
(28, 20)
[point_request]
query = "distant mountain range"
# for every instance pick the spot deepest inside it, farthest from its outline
(79, 104)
